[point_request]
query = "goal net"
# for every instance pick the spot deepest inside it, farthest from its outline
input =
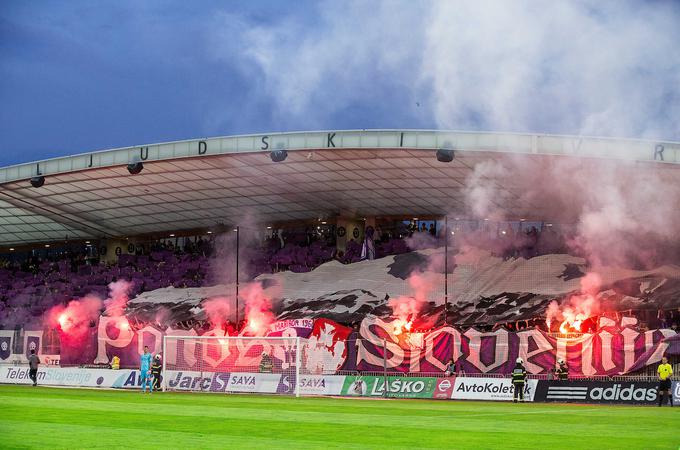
(268, 365)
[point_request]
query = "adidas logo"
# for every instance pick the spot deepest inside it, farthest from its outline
(567, 392)
(628, 393)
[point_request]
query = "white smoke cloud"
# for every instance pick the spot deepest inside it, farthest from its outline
(482, 191)
(585, 67)
(312, 67)
(624, 212)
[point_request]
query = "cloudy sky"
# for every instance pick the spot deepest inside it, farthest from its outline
(80, 75)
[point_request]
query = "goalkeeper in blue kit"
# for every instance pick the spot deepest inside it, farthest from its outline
(145, 370)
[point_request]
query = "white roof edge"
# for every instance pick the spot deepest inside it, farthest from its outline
(503, 142)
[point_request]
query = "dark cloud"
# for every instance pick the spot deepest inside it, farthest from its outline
(80, 76)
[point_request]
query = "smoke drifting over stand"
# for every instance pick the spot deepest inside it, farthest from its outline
(75, 320)
(255, 306)
(119, 292)
(622, 213)
(617, 214)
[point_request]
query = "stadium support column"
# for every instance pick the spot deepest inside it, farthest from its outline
(237, 251)
(446, 268)
(163, 373)
(385, 386)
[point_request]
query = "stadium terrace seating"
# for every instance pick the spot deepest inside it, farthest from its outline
(29, 290)
(56, 282)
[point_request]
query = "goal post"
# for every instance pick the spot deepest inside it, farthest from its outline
(232, 364)
(298, 364)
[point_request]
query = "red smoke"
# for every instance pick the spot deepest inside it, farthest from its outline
(218, 310)
(259, 315)
(119, 294)
(577, 308)
(406, 309)
(74, 319)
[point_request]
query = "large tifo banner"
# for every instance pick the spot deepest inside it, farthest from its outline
(329, 347)
(610, 351)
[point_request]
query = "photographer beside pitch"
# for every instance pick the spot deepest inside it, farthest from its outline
(665, 371)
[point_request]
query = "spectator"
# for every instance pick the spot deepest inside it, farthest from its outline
(450, 368)
(266, 365)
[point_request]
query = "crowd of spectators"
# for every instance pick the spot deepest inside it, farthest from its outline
(508, 242)
(30, 286)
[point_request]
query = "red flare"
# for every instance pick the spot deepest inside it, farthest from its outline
(124, 325)
(63, 321)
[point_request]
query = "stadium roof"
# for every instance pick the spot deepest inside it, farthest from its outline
(202, 182)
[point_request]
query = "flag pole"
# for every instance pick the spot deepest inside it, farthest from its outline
(446, 268)
(237, 251)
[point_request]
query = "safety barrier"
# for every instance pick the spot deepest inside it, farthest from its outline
(614, 390)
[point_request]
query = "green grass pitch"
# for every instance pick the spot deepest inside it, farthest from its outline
(81, 418)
